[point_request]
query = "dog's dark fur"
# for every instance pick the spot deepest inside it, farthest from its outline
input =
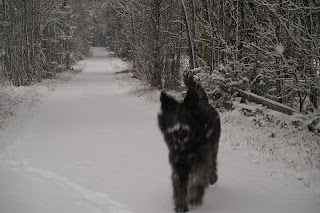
(191, 131)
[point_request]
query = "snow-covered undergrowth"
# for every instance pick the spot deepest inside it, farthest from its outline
(268, 136)
(271, 135)
(16, 101)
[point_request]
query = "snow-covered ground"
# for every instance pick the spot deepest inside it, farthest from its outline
(92, 145)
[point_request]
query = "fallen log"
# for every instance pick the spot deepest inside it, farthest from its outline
(266, 102)
(260, 100)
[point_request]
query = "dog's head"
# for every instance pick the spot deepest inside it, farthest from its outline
(178, 120)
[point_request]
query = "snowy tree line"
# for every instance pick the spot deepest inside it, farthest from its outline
(42, 37)
(268, 47)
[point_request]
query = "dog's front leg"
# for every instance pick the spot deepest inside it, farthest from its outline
(180, 175)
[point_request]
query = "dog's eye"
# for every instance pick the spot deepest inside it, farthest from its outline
(185, 133)
(175, 134)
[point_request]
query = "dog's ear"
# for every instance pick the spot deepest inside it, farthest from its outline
(191, 101)
(167, 103)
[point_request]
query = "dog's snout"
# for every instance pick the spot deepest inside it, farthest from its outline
(181, 141)
(181, 136)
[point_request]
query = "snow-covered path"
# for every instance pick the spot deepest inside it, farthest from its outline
(91, 147)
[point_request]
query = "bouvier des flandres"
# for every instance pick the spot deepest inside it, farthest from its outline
(191, 130)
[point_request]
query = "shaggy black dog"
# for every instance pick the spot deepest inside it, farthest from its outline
(191, 130)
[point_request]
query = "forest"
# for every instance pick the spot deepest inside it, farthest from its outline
(268, 48)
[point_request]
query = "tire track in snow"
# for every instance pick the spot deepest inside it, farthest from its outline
(98, 200)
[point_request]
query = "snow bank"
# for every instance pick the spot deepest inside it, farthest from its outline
(270, 134)
(16, 102)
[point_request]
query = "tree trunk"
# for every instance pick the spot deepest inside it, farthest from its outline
(314, 96)
(156, 73)
(279, 82)
(204, 35)
(190, 38)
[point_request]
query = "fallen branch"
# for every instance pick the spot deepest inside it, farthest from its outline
(261, 100)
(266, 102)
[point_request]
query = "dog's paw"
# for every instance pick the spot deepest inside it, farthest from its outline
(181, 208)
(195, 202)
(213, 179)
